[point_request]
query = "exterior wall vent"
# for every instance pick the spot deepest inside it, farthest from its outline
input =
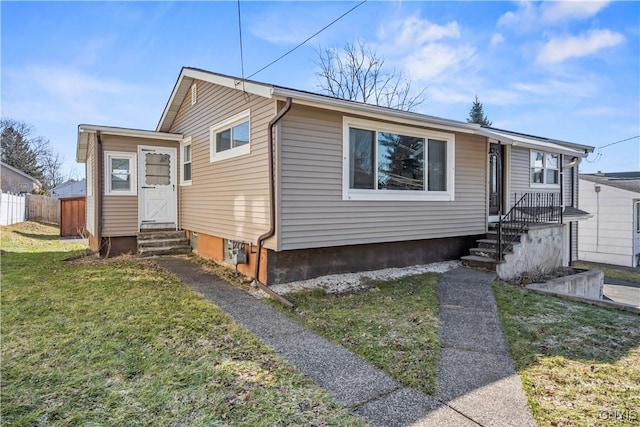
(194, 94)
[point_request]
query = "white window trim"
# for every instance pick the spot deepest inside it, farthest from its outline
(226, 124)
(544, 168)
(184, 143)
(133, 172)
(397, 195)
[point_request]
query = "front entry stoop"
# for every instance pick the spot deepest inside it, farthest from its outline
(152, 243)
(484, 256)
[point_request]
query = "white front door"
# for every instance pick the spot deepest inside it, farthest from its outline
(157, 187)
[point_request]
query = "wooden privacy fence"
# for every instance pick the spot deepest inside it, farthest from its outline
(43, 209)
(12, 208)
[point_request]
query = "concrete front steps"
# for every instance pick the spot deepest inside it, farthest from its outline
(153, 243)
(484, 256)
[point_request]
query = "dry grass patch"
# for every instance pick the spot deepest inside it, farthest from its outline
(124, 343)
(579, 364)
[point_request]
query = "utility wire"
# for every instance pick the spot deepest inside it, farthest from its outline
(309, 38)
(618, 142)
(241, 52)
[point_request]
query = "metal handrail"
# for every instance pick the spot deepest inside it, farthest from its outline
(529, 208)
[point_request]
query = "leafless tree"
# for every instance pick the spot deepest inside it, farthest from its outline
(357, 73)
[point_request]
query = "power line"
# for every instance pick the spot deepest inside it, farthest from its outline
(241, 52)
(309, 38)
(618, 142)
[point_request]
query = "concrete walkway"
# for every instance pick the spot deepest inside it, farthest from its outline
(476, 382)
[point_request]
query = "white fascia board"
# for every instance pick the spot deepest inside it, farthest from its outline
(521, 141)
(375, 112)
(263, 90)
(85, 130)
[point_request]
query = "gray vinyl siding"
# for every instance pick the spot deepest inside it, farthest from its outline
(520, 177)
(313, 213)
(227, 198)
(92, 193)
(120, 213)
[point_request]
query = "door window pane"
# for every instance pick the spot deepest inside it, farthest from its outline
(400, 162)
(361, 155)
(157, 169)
(437, 166)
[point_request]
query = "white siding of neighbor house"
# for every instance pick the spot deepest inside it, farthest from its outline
(314, 215)
(608, 236)
(91, 170)
(227, 198)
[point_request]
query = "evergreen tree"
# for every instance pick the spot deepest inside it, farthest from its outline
(476, 114)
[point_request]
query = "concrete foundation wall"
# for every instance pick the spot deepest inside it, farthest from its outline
(588, 284)
(539, 252)
(302, 264)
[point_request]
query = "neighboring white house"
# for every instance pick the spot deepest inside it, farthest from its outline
(13, 180)
(69, 189)
(612, 235)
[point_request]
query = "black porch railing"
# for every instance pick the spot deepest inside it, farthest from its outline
(527, 208)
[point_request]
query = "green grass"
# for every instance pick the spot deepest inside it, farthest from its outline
(392, 324)
(579, 364)
(611, 271)
(122, 342)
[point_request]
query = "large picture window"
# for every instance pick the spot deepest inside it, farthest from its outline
(396, 162)
(544, 168)
(231, 137)
(120, 173)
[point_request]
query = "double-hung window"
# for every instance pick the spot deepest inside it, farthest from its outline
(231, 137)
(120, 173)
(185, 147)
(393, 162)
(545, 168)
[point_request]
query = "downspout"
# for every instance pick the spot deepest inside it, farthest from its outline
(272, 206)
(98, 180)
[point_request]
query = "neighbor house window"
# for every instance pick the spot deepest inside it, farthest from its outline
(120, 173)
(231, 138)
(185, 146)
(544, 168)
(389, 162)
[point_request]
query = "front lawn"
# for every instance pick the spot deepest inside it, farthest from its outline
(579, 364)
(121, 342)
(391, 324)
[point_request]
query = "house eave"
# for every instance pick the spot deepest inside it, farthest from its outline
(555, 146)
(86, 131)
(373, 111)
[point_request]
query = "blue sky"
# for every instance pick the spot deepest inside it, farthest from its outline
(565, 70)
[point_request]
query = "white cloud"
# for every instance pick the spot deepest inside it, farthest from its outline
(435, 60)
(561, 11)
(497, 39)
(562, 48)
(414, 30)
(529, 15)
(584, 87)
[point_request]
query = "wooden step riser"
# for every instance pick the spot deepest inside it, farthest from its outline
(176, 250)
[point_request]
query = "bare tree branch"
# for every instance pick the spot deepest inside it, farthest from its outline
(357, 73)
